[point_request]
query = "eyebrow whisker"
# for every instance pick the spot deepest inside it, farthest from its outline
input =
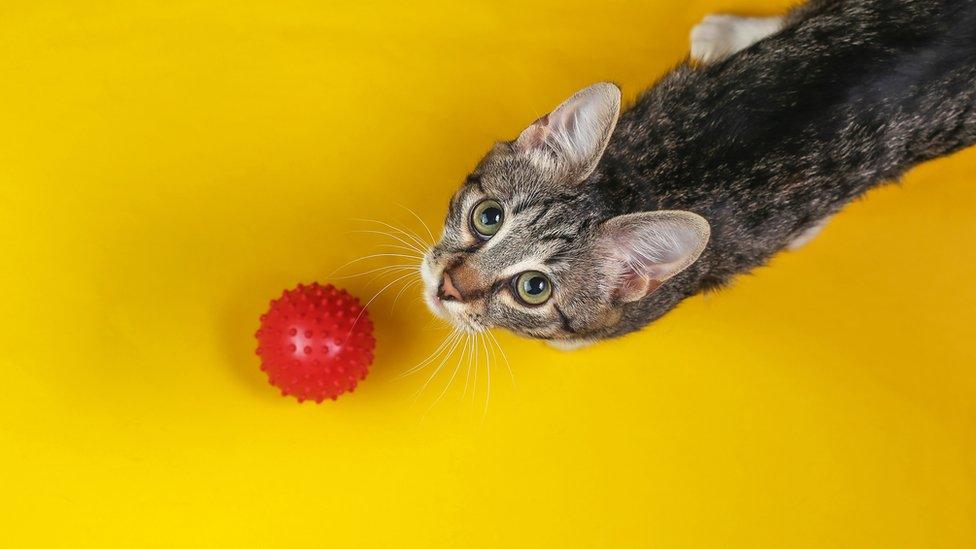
(416, 239)
(426, 228)
(399, 239)
(372, 256)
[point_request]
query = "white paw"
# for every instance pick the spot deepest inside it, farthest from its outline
(808, 234)
(566, 345)
(719, 36)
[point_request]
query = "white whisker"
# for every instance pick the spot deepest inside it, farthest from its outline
(465, 351)
(457, 340)
(434, 322)
(426, 228)
(379, 276)
(484, 413)
(467, 376)
(400, 230)
(376, 270)
(394, 237)
(401, 247)
(416, 237)
(400, 293)
(488, 356)
(477, 356)
(377, 294)
(505, 357)
(371, 256)
(432, 356)
(477, 369)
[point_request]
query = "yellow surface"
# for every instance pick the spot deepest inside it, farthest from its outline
(167, 168)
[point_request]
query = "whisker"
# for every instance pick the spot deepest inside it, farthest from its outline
(371, 256)
(465, 351)
(377, 294)
(432, 356)
(412, 270)
(457, 340)
(426, 228)
(376, 270)
(488, 356)
(474, 378)
(400, 230)
(406, 243)
(400, 293)
(467, 376)
(505, 357)
(434, 322)
(401, 247)
(484, 413)
(475, 359)
(416, 237)
(489, 363)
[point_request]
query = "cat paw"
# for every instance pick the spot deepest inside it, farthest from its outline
(805, 236)
(568, 345)
(719, 36)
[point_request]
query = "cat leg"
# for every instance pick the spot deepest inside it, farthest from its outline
(719, 36)
(806, 235)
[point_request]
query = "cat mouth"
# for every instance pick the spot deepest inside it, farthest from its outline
(441, 310)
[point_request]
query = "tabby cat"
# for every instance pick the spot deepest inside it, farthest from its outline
(594, 222)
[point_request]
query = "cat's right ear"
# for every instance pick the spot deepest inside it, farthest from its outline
(572, 138)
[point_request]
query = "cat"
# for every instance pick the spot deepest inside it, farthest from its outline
(593, 223)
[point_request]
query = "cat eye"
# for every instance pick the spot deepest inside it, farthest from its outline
(487, 217)
(533, 288)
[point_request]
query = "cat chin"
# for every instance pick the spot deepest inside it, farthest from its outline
(441, 311)
(567, 345)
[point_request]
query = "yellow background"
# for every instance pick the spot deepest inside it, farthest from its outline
(166, 168)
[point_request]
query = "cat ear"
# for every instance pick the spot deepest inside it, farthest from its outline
(643, 250)
(574, 135)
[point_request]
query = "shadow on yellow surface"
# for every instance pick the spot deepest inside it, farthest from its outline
(167, 168)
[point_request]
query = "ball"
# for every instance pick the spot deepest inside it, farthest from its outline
(315, 342)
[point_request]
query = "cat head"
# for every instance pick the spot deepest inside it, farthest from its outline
(525, 246)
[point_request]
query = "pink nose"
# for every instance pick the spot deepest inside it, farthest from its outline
(447, 289)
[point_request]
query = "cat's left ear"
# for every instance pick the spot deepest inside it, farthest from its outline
(643, 250)
(572, 138)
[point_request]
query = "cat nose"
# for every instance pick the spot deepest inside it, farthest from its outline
(461, 283)
(447, 289)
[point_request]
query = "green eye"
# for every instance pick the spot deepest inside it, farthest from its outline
(487, 217)
(533, 287)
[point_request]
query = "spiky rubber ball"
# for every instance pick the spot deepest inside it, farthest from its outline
(315, 342)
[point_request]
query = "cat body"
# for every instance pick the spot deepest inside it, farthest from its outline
(777, 138)
(711, 172)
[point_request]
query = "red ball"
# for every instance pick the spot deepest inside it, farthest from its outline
(315, 342)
